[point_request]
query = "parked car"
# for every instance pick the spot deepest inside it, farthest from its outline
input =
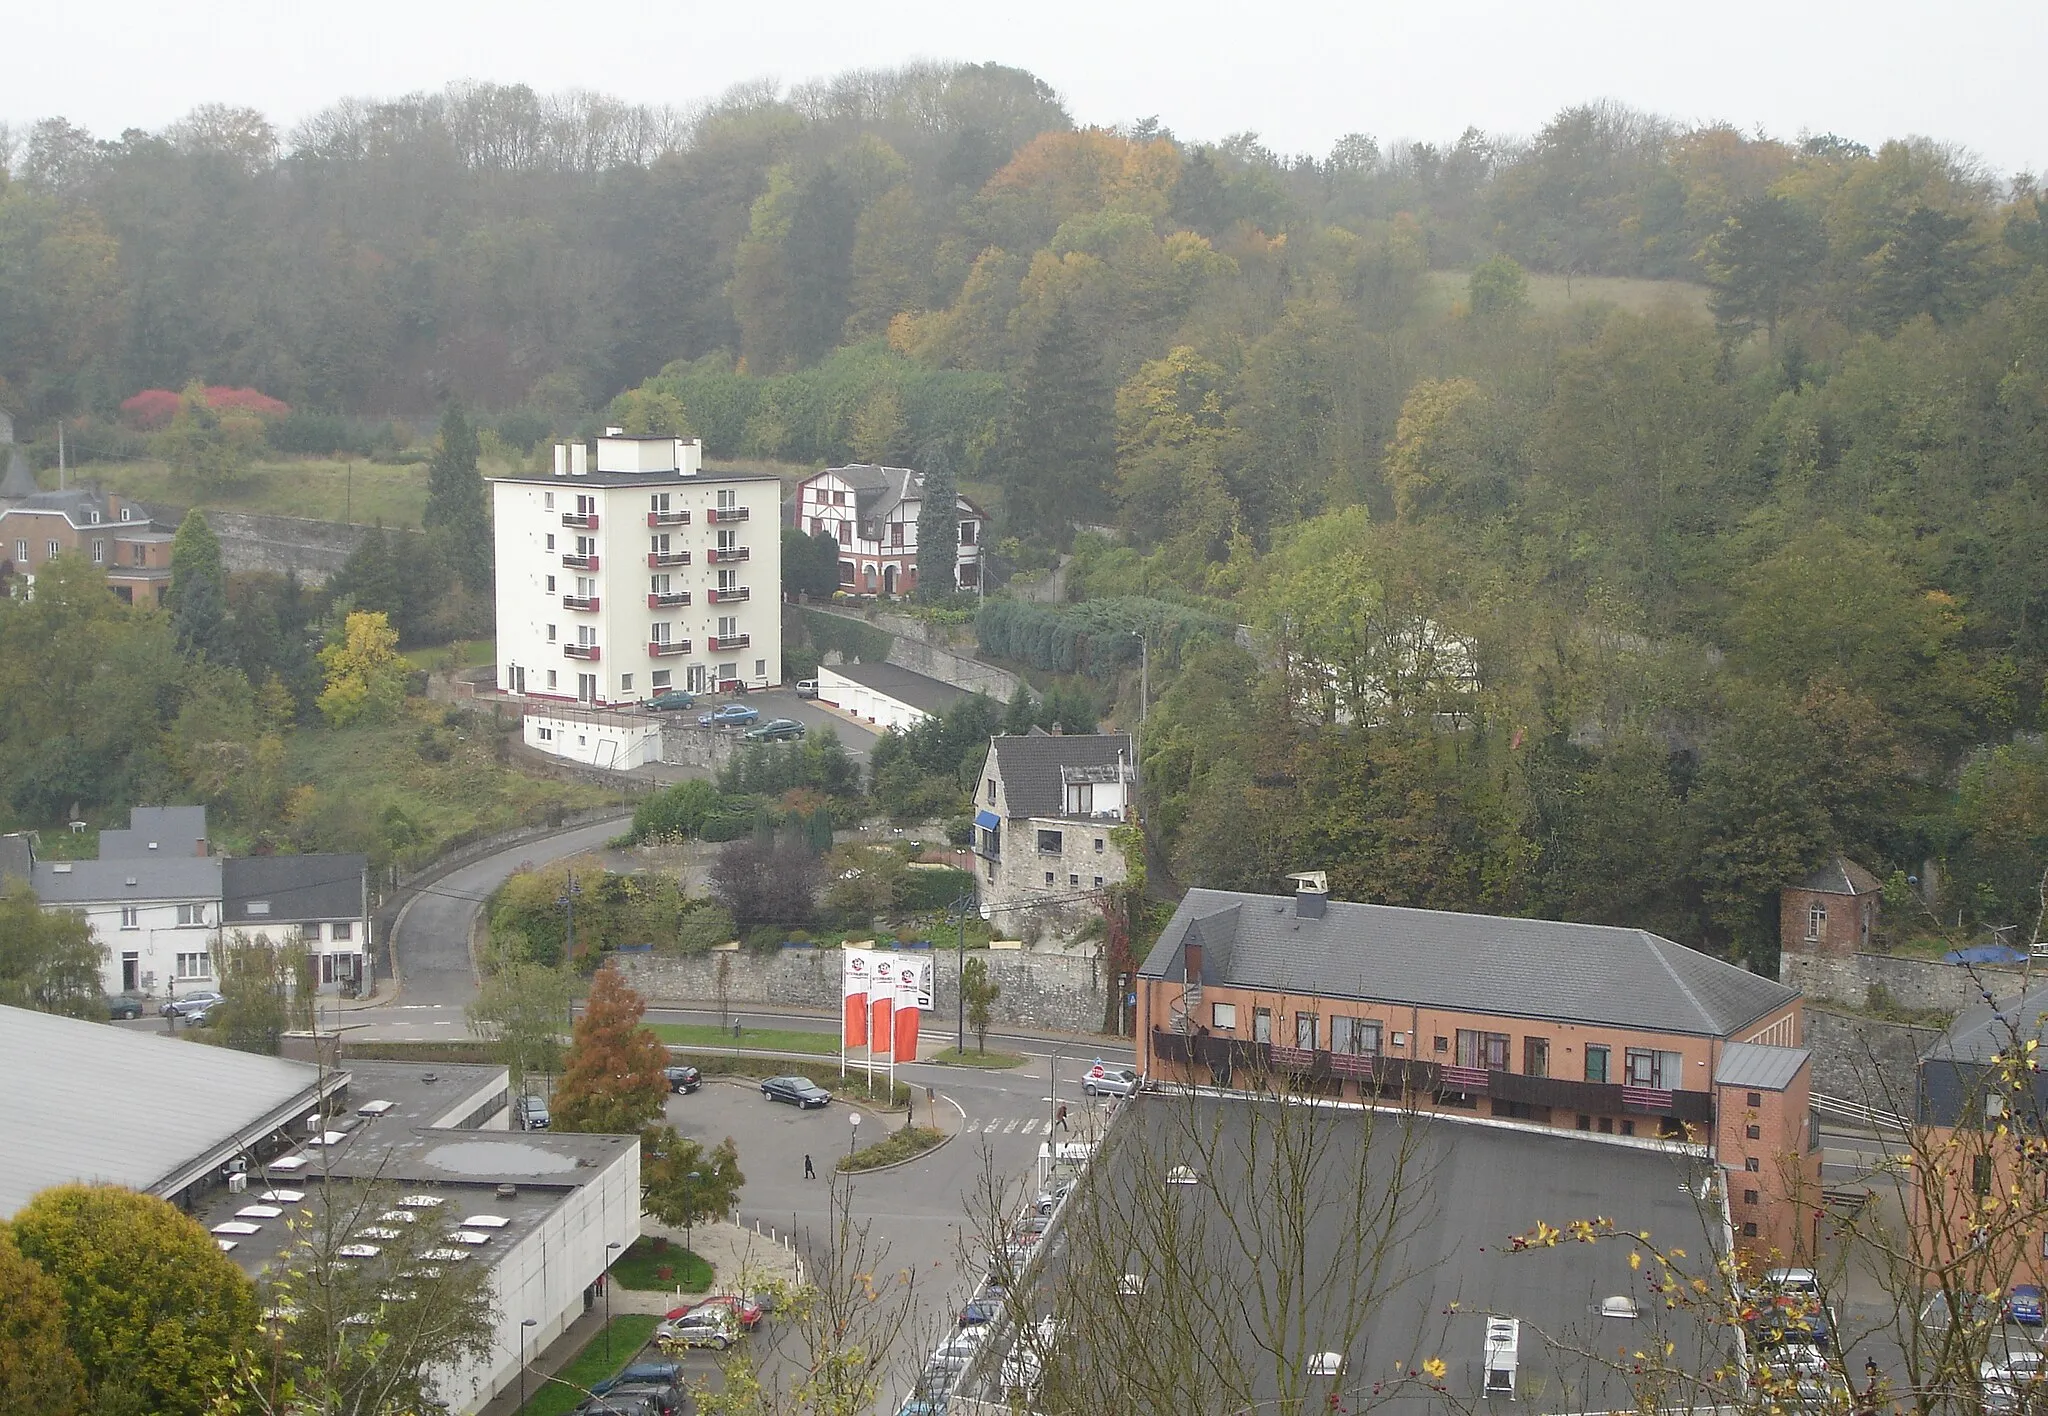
(731, 715)
(1050, 1200)
(202, 1016)
(745, 1311)
(777, 730)
(2015, 1384)
(984, 1309)
(660, 1373)
(806, 688)
(530, 1112)
(628, 1401)
(123, 1005)
(683, 1079)
(192, 1002)
(1109, 1081)
(2024, 1305)
(670, 703)
(710, 1327)
(800, 1092)
(1031, 1228)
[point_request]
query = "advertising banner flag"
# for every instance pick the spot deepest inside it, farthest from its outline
(855, 967)
(913, 982)
(881, 1006)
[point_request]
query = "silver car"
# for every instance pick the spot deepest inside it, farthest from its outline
(1109, 1081)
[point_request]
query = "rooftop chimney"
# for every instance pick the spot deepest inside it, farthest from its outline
(1311, 893)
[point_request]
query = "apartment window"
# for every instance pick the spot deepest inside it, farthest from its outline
(1048, 877)
(1755, 1133)
(1073, 879)
(1585, 1122)
(728, 628)
(727, 671)
(1536, 1056)
(728, 580)
(991, 872)
(92, 518)
(127, 513)
(760, 668)
(657, 501)
(1080, 798)
(1223, 1017)
(895, 533)
(586, 635)
(1098, 845)
(198, 965)
(131, 917)
(991, 791)
(551, 634)
(967, 533)
(846, 539)
(21, 552)
(1442, 1044)
(1749, 1230)
(1749, 1197)
(1262, 1025)
(551, 678)
(727, 499)
(551, 540)
(839, 499)
(1596, 1063)
(547, 734)
(1306, 1029)
(1816, 920)
(551, 584)
(99, 552)
(51, 548)
(728, 540)
(1628, 1128)
(1661, 1071)
(1358, 1036)
(845, 569)
(660, 679)
(1098, 882)
(1752, 1164)
(1048, 841)
(191, 914)
(341, 929)
(658, 632)
(547, 501)
(1483, 1049)
(625, 683)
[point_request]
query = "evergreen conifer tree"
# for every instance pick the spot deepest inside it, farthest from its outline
(938, 524)
(456, 519)
(198, 595)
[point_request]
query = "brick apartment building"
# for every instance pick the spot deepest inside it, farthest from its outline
(1568, 1026)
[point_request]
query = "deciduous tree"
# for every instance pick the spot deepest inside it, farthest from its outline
(49, 961)
(980, 993)
(365, 676)
(613, 1082)
(38, 1374)
(523, 1009)
(683, 1182)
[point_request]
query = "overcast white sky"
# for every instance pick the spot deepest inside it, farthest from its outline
(1300, 73)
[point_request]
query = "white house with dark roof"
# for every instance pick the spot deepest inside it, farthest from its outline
(320, 902)
(1044, 813)
(157, 917)
(872, 512)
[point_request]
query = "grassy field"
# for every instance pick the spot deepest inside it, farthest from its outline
(628, 1333)
(1447, 288)
(321, 489)
(712, 1037)
(469, 653)
(640, 1267)
(969, 1057)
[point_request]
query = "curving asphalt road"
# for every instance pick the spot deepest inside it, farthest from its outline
(431, 937)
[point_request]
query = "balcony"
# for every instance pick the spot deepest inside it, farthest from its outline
(576, 562)
(729, 641)
(667, 648)
(668, 518)
(587, 520)
(733, 596)
(727, 515)
(656, 560)
(579, 602)
(659, 601)
(728, 555)
(581, 651)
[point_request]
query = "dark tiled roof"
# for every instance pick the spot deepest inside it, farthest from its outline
(1031, 767)
(905, 686)
(15, 859)
(16, 480)
(87, 882)
(171, 830)
(1841, 876)
(1994, 1026)
(1537, 968)
(297, 888)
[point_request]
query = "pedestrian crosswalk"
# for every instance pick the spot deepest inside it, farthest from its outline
(1008, 1126)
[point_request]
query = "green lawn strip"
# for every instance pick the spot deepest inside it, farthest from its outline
(709, 1035)
(971, 1058)
(641, 1267)
(629, 1333)
(468, 654)
(900, 1144)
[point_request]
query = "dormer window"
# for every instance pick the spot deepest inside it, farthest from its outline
(127, 513)
(92, 518)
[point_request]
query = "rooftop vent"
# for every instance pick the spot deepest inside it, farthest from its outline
(1311, 893)
(508, 1192)
(429, 1078)
(152, 845)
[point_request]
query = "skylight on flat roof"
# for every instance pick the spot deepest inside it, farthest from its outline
(288, 1162)
(471, 1237)
(236, 1226)
(375, 1108)
(258, 1212)
(359, 1251)
(282, 1197)
(485, 1221)
(420, 1202)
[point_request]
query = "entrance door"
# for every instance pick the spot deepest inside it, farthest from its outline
(131, 973)
(696, 678)
(888, 580)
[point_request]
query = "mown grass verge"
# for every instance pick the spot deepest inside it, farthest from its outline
(570, 1387)
(899, 1145)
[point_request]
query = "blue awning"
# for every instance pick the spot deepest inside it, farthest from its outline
(988, 821)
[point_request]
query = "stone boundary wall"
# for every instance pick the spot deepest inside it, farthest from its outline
(1865, 1060)
(1919, 984)
(1038, 990)
(687, 745)
(315, 550)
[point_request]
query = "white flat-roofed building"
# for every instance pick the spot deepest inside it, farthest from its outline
(631, 571)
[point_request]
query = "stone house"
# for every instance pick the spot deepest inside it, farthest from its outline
(1831, 912)
(1044, 813)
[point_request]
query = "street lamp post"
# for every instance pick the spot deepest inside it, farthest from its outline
(852, 1138)
(609, 1249)
(524, 1324)
(960, 981)
(688, 1180)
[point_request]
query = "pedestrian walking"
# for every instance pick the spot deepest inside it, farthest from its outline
(810, 1171)
(1061, 1117)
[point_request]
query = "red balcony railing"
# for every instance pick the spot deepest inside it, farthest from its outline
(576, 562)
(581, 651)
(728, 641)
(658, 559)
(660, 601)
(728, 597)
(668, 518)
(580, 602)
(727, 555)
(663, 648)
(727, 515)
(585, 519)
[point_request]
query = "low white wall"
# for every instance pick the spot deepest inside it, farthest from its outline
(865, 703)
(617, 743)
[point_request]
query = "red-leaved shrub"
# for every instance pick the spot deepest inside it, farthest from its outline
(246, 400)
(152, 409)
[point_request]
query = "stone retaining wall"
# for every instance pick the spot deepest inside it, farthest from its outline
(1865, 1060)
(1038, 990)
(314, 550)
(1918, 984)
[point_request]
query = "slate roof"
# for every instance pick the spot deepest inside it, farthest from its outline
(1534, 968)
(297, 888)
(177, 1103)
(1991, 1027)
(1841, 876)
(176, 830)
(1750, 1064)
(15, 858)
(92, 882)
(16, 480)
(928, 695)
(878, 491)
(1033, 766)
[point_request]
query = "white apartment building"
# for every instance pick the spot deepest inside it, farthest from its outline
(632, 572)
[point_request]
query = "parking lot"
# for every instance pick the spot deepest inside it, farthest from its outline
(783, 703)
